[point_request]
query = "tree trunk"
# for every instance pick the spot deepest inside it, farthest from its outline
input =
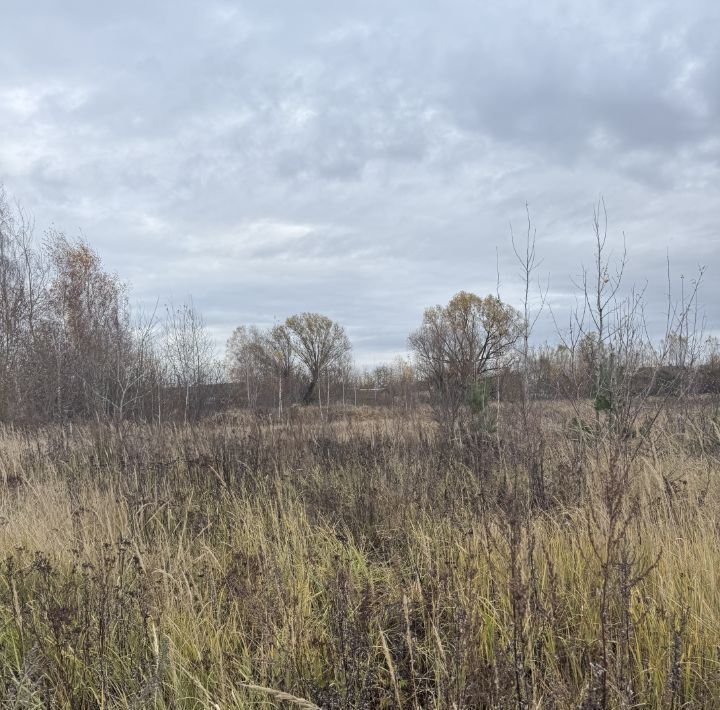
(310, 391)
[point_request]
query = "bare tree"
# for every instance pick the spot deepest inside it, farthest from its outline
(190, 355)
(13, 304)
(22, 296)
(245, 360)
(526, 255)
(279, 353)
(531, 438)
(134, 374)
(609, 337)
(318, 343)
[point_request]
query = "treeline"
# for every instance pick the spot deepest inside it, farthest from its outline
(434, 372)
(71, 348)
(476, 348)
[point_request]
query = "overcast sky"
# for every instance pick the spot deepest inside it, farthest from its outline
(365, 159)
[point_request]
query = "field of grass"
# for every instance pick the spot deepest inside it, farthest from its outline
(359, 562)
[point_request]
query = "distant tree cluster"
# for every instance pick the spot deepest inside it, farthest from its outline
(67, 348)
(71, 347)
(295, 354)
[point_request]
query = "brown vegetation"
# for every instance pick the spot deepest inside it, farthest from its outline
(357, 561)
(513, 527)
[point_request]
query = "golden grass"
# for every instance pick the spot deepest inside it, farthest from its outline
(239, 564)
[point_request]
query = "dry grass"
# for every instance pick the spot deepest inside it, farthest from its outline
(356, 563)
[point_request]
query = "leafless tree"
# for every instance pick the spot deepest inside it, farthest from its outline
(609, 337)
(189, 352)
(531, 439)
(246, 360)
(280, 355)
(135, 372)
(22, 293)
(318, 343)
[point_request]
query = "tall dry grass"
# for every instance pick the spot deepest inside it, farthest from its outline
(356, 563)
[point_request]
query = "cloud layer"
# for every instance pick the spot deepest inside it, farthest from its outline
(365, 159)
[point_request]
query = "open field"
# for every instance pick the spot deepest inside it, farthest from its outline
(358, 563)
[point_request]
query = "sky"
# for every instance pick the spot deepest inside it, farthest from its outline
(367, 159)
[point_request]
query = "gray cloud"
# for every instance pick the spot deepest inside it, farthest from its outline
(364, 159)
